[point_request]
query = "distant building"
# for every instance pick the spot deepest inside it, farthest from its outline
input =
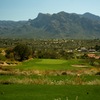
(83, 49)
(92, 50)
(94, 56)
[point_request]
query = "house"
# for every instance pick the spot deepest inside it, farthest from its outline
(83, 49)
(92, 50)
(91, 55)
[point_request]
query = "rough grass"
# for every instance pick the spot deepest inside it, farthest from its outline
(50, 79)
(49, 71)
(47, 92)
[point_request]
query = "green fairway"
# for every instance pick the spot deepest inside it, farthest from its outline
(51, 64)
(49, 92)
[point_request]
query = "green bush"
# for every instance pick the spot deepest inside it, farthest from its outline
(2, 57)
(10, 54)
(22, 52)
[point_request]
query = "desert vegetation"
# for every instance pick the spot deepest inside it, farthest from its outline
(50, 69)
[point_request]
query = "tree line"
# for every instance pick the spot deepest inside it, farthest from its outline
(23, 52)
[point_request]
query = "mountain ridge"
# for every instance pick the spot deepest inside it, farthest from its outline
(57, 25)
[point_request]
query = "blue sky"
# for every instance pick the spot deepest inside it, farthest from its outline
(29, 9)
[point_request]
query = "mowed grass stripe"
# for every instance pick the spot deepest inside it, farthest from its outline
(49, 92)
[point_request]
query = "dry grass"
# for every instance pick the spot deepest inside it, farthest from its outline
(94, 82)
(77, 80)
(49, 81)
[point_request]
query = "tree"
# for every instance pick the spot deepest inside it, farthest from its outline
(9, 53)
(97, 48)
(85, 56)
(91, 61)
(22, 52)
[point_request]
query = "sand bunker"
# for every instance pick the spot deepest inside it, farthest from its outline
(79, 66)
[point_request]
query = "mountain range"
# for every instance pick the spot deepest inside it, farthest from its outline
(60, 25)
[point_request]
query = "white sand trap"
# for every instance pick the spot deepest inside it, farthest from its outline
(79, 66)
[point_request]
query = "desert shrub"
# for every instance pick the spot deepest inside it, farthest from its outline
(98, 73)
(2, 57)
(10, 53)
(22, 52)
(0, 51)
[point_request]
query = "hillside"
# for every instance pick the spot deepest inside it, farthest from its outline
(60, 25)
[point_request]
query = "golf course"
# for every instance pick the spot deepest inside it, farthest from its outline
(49, 79)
